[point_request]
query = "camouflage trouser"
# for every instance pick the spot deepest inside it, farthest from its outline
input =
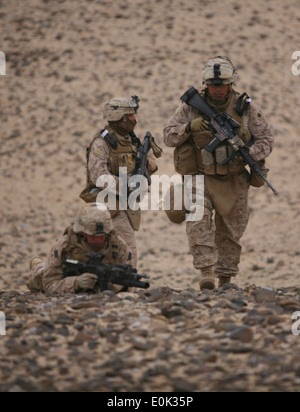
(124, 229)
(35, 281)
(216, 242)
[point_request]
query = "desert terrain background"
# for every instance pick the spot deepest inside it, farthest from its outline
(66, 58)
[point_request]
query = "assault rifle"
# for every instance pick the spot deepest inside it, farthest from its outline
(119, 274)
(224, 129)
(142, 160)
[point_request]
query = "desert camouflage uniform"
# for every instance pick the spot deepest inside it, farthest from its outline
(105, 160)
(53, 281)
(98, 165)
(49, 277)
(218, 243)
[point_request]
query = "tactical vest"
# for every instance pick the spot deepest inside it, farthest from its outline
(192, 158)
(76, 251)
(122, 154)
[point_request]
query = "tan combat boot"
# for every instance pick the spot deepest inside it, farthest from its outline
(34, 262)
(208, 278)
(35, 283)
(224, 280)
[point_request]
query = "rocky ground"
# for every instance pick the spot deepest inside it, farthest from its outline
(65, 58)
(158, 340)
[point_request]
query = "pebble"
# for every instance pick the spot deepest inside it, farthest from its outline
(187, 334)
(243, 334)
(264, 295)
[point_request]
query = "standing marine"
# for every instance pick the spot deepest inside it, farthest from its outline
(114, 147)
(215, 240)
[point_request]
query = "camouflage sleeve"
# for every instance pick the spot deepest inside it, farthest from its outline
(263, 134)
(175, 130)
(98, 162)
(53, 281)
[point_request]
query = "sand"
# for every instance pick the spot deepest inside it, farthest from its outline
(66, 58)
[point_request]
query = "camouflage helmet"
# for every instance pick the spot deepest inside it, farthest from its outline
(176, 216)
(218, 71)
(92, 219)
(116, 108)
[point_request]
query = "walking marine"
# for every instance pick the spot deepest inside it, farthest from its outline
(215, 241)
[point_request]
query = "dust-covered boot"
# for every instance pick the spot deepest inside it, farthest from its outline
(34, 262)
(208, 278)
(35, 283)
(224, 280)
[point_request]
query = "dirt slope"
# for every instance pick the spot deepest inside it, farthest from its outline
(66, 58)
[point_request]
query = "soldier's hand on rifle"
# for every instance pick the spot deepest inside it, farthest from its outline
(198, 125)
(87, 281)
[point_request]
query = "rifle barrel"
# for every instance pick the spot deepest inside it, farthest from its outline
(269, 184)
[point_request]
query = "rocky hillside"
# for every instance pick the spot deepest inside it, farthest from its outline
(64, 60)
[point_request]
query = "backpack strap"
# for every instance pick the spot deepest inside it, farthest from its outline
(242, 104)
(110, 139)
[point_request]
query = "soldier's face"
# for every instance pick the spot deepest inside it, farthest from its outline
(97, 241)
(218, 93)
(132, 117)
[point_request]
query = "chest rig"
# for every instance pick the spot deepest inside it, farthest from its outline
(122, 153)
(192, 158)
(78, 250)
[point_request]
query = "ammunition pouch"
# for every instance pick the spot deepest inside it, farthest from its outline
(208, 162)
(175, 216)
(185, 160)
(192, 158)
(90, 193)
(200, 140)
